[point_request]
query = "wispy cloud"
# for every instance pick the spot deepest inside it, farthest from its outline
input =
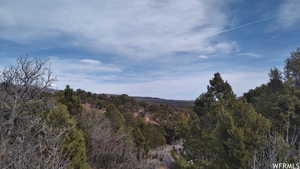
(202, 57)
(254, 55)
(90, 61)
(289, 13)
(245, 25)
(139, 28)
(172, 87)
(83, 66)
(163, 48)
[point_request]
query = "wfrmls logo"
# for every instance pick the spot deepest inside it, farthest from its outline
(286, 166)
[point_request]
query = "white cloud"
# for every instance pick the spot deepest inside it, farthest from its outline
(137, 28)
(255, 55)
(90, 61)
(241, 82)
(289, 13)
(165, 85)
(83, 66)
(202, 57)
(169, 86)
(226, 47)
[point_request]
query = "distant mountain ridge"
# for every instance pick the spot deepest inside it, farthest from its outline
(154, 100)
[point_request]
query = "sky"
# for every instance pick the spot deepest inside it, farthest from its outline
(158, 48)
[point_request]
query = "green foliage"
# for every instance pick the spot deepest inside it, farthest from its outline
(227, 131)
(292, 68)
(181, 162)
(72, 101)
(278, 104)
(222, 132)
(74, 145)
(116, 118)
(220, 89)
(147, 136)
(60, 117)
(172, 121)
(154, 135)
(276, 80)
(139, 140)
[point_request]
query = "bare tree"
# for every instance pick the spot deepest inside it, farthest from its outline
(26, 141)
(31, 144)
(277, 150)
(107, 149)
(22, 85)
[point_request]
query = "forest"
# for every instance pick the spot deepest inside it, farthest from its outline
(43, 128)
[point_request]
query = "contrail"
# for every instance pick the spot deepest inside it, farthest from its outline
(243, 26)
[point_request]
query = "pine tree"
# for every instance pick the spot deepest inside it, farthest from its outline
(71, 100)
(276, 80)
(222, 135)
(115, 116)
(292, 68)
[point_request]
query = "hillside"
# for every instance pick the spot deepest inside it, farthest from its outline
(77, 129)
(154, 100)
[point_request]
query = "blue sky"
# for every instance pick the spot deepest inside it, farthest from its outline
(159, 48)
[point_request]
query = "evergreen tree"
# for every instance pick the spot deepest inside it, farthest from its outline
(220, 89)
(222, 137)
(276, 79)
(292, 68)
(71, 100)
(116, 118)
(74, 143)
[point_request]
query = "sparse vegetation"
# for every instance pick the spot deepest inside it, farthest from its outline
(47, 129)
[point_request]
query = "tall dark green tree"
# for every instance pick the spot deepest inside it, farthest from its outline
(276, 79)
(278, 101)
(71, 100)
(222, 135)
(115, 116)
(220, 89)
(292, 68)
